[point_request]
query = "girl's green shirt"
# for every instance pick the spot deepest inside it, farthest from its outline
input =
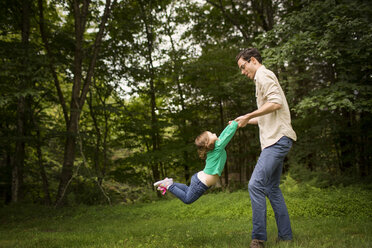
(216, 158)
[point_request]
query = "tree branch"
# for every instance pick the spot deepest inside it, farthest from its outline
(78, 54)
(96, 47)
(51, 66)
(228, 17)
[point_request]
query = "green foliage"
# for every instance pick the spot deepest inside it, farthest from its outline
(312, 201)
(322, 53)
(325, 48)
(165, 73)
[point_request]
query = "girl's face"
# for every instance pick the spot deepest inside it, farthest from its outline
(212, 137)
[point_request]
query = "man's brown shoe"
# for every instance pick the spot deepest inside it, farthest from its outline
(257, 243)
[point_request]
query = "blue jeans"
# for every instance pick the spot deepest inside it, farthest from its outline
(265, 182)
(188, 194)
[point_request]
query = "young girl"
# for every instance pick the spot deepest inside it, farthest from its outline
(211, 148)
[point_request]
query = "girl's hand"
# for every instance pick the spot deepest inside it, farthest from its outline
(231, 122)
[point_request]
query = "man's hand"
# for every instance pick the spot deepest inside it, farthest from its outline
(232, 121)
(243, 120)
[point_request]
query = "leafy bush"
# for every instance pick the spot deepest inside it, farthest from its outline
(310, 201)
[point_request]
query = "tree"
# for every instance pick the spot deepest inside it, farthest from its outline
(81, 84)
(323, 54)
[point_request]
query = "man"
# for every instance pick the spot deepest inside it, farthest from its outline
(276, 137)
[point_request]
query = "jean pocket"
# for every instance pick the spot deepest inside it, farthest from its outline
(285, 141)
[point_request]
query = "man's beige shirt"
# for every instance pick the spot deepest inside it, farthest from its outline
(277, 124)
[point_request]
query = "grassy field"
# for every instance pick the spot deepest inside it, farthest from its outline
(338, 217)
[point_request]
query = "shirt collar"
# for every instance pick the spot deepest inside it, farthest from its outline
(262, 67)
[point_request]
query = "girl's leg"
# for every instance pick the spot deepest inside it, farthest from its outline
(182, 186)
(188, 194)
(179, 190)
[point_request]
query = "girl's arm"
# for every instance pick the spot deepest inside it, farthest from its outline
(227, 134)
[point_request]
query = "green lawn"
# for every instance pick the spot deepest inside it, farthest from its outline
(337, 218)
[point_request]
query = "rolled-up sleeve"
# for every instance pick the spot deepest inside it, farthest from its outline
(276, 124)
(270, 89)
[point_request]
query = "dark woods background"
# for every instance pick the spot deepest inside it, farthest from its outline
(99, 99)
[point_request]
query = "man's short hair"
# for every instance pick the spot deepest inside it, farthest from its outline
(248, 53)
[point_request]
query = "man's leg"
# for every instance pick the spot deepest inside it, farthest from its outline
(275, 195)
(258, 199)
(261, 183)
(281, 214)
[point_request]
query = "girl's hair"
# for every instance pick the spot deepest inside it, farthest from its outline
(202, 143)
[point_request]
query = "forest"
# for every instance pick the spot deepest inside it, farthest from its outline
(101, 98)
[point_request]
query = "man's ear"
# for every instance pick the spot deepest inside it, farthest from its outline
(254, 60)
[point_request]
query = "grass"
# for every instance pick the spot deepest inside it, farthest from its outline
(338, 217)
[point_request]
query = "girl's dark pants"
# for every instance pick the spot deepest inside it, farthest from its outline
(189, 194)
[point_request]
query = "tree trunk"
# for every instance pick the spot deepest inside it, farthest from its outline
(155, 132)
(73, 125)
(345, 141)
(68, 159)
(105, 147)
(100, 170)
(264, 11)
(18, 161)
(79, 91)
(96, 156)
(365, 145)
(6, 168)
(226, 169)
(19, 156)
(175, 77)
(154, 122)
(43, 175)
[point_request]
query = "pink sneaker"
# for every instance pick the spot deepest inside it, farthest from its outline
(164, 183)
(163, 190)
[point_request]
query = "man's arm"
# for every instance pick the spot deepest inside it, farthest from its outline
(251, 118)
(253, 121)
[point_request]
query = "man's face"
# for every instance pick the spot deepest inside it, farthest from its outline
(247, 67)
